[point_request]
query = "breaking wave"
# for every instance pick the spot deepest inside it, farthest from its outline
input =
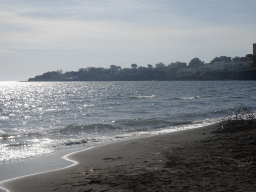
(41, 118)
(142, 97)
(186, 98)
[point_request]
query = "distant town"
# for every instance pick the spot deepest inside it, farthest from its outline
(220, 68)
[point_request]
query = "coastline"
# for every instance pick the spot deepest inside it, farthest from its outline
(78, 156)
(184, 160)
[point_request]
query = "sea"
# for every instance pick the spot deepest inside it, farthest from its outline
(40, 122)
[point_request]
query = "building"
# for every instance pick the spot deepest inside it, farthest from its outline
(229, 66)
(217, 66)
(236, 59)
(249, 58)
(242, 59)
(254, 54)
(254, 49)
(225, 59)
(177, 65)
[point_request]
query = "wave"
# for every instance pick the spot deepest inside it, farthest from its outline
(182, 123)
(133, 125)
(142, 97)
(186, 98)
(136, 130)
(69, 143)
(4, 135)
(14, 145)
(3, 118)
(110, 104)
(79, 128)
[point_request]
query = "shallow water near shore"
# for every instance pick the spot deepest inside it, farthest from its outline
(42, 121)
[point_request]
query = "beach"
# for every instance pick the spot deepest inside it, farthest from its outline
(201, 159)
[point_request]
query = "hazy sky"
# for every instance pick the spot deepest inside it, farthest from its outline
(37, 36)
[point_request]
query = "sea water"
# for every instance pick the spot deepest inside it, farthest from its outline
(45, 120)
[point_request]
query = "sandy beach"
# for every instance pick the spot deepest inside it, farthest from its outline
(201, 159)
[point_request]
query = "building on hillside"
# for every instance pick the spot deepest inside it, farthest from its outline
(230, 66)
(172, 65)
(177, 65)
(254, 49)
(236, 59)
(225, 59)
(242, 59)
(254, 54)
(217, 66)
(249, 58)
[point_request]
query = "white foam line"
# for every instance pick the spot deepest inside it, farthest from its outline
(64, 157)
(76, 162)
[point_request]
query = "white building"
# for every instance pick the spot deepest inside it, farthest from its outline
(217, 66)
(178, 65)
(230, 66)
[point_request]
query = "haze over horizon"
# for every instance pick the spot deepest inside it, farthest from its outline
(39, 36)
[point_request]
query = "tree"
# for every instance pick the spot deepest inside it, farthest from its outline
(60, 71)
(82, 69)
(160, 65)
(194, 62)
(113, 67)
(134, 66)
(150, 66)
(93, 70)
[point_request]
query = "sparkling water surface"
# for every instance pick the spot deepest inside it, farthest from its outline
(38, 118)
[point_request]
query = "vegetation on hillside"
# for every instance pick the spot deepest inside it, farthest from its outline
(160, 72)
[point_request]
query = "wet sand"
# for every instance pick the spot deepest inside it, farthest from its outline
(201, 159)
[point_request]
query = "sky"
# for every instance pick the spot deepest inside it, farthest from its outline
(37, 36)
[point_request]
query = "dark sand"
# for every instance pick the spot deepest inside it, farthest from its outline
(192, 160)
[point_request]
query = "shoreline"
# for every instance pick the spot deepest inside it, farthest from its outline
(78, 156)
(203, 159)
(56, 161)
